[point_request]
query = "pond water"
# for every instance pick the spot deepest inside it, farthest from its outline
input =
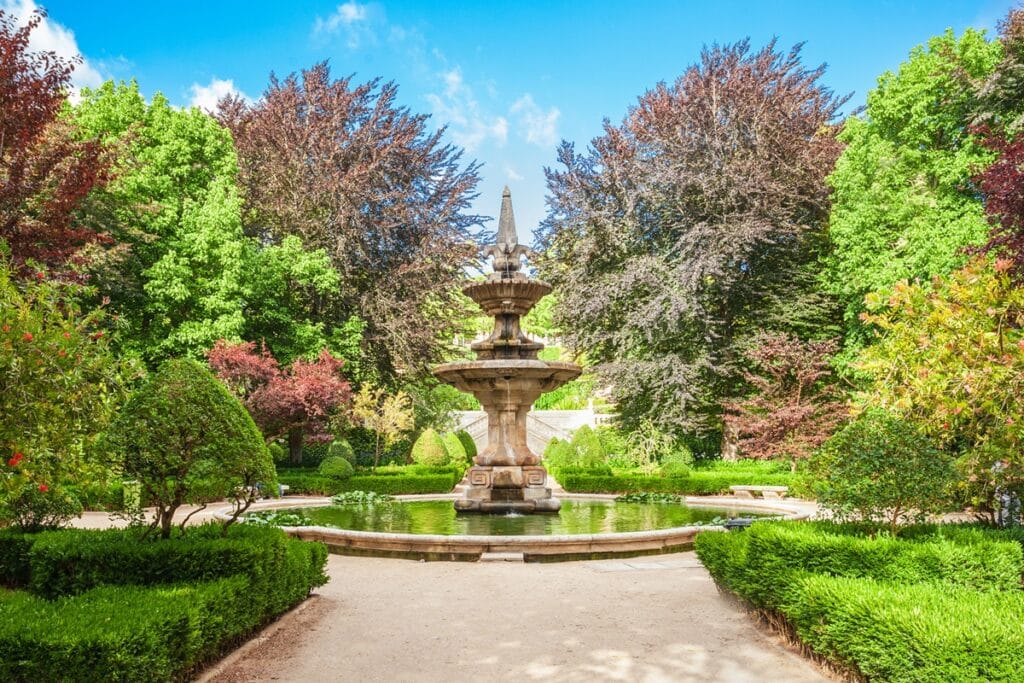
(575, 517)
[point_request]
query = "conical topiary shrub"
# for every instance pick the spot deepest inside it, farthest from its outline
(558, 453)
(467, 443)
(456, 451)
(589, 451)
(429, 449)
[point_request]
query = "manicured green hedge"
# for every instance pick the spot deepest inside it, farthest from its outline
(391, 484)
(109, 606)
(696, 484)
(895, 609)
(122, 633)
(912, 633)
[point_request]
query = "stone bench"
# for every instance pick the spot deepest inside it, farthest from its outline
(768, 492)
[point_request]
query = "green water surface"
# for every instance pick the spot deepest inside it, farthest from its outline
(575, 517)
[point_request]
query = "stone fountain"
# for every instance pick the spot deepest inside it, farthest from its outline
(507, 378)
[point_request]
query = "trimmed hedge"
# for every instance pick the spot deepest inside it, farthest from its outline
(314, 484)
(15, 549)
(769, 554)
(122, 633)
(697, 483)
(942, 604)
(108, 606)
(912, 633)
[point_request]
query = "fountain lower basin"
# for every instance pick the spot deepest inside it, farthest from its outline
(554, 547)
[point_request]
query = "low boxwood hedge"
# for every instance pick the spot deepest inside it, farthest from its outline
(892, 608)
(313, 484)
(109, 606)
(911, 633)
(699, 482)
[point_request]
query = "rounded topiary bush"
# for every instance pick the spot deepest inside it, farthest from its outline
(184, 437)
(558, 453)
(589, 451)
(467, 443)
(336, 467)
(456, 451)
(429, 449)
(342, 449)
(277, 452)
(676, 463)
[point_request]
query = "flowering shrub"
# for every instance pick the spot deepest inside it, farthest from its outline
(59, 384)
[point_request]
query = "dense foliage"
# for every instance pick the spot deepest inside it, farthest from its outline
(903, 202)
(185, 438)
(690, 226)
(344, 168)
(882, 468)
(943, 604)
(47, 166)
(59, 385)
(119, 604)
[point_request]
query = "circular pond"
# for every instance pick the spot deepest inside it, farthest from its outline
(588, 526)
(575, 517)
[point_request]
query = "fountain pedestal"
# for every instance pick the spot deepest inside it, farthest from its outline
(507, 378)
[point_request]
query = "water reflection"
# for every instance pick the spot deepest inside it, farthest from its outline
(575, 517)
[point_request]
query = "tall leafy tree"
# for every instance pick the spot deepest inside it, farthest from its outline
(177, 276)
(46, 170)
(903, 202)
(694, 223)
(347, 170)
(1000, 104)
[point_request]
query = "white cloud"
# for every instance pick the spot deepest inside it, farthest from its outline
(538, 127)
(50, 36)
(512, 175)
(469, 125)
(206, 97)
(353, 20)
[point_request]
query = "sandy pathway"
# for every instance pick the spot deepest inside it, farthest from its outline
(646, 619)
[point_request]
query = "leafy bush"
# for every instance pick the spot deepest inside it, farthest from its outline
(676, 463)
(15, 568)
(429, 449)
(277, 452)
(924, 632)
(613, 441)
(183, 432)
(315, 484)
(648, 497)
(313, 453)
(697, 483)
(33, 507)
(929, 605)
(589, 451)
(342, 449)
(467, 443)
(277, 518)
(456, 451)
(880, 467)
(361, 498)
(336, 467)
(558, 453)
(148, 626)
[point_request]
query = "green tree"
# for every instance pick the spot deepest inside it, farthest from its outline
(950, 359)
(177, 275)
(388, 416)
(903, 204)
(429, 449)
(59, 386)
(185, 437)
(692, 225)
(881, 467)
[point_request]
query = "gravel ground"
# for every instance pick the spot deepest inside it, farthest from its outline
(647, 619)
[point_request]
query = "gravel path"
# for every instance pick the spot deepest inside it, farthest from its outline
(647, 619)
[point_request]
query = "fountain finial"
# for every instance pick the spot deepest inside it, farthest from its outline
(507, 251)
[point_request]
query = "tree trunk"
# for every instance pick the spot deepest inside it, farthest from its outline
(166, 521)
(730, 442)
(295, 445)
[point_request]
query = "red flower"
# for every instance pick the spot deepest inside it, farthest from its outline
(96, 335)
(27, 336)
(7, 328)
(43, 488)
(13, 461)
(67, 335)
(62, 353)
(40, 275)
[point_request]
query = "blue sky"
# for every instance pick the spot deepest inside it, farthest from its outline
(510, 79)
